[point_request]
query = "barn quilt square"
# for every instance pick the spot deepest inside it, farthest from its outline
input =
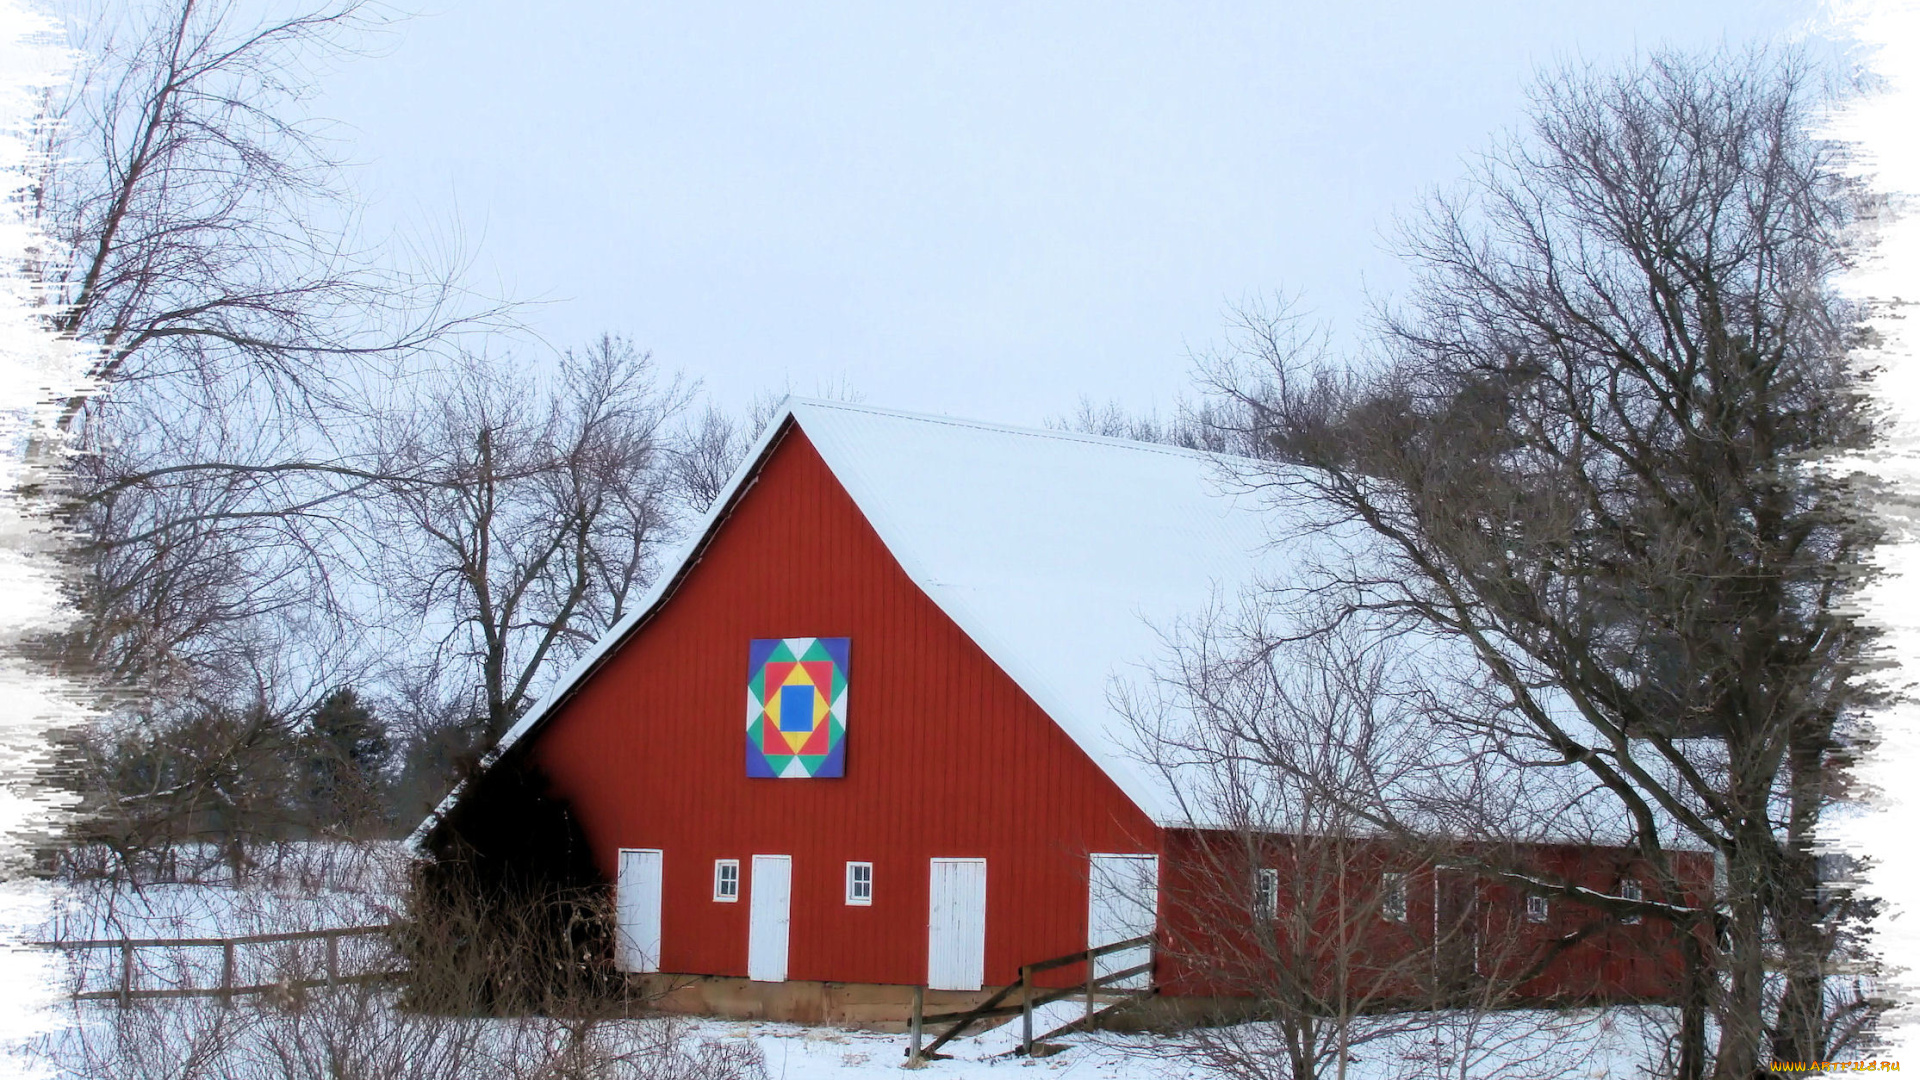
(797, 707)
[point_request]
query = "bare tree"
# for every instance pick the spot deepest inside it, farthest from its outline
(184, 569)
(1588, 457)
(204, 245)
(1283, 896)
(708, 449)
(1194, 425)
(516, 521)
(706, 453)
(202, 232)
(1362, 872)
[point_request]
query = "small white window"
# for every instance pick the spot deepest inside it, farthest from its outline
(1536, 909)
(860, 883)
(1393, 897)
(1630, 890)
(726, 880)
(1266, 893)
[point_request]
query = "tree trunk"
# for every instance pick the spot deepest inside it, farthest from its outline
(1742, 1015)
(1693, 1007)
(1805, 943)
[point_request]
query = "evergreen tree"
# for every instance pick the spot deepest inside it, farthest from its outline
(347, 751)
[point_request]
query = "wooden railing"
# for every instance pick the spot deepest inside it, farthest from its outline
(126, 992)
(992, 1008)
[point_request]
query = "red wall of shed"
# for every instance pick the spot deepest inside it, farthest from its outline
(946, 756)
(1212, 947)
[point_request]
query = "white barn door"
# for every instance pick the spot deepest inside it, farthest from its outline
(770, 913)
(1123, 901)
(636, 896)
(957, 925)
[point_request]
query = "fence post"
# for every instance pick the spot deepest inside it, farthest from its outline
(226, 972)
(126, 972)
(1026, 1009)
(333, 959)
(919, 1004)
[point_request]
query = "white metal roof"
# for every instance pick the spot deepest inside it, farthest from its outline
(1063, 556)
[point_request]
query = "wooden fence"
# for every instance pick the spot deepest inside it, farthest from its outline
(1031, 997)
(126, 992)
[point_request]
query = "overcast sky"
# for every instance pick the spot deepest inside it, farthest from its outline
(987, 210)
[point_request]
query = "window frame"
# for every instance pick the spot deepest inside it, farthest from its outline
(1630, 890)
(1539, 909)
(1266, 893)
(1393, 897)
(720, 895)
(854, 899)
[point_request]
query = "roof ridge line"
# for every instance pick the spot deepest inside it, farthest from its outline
(1059, 434)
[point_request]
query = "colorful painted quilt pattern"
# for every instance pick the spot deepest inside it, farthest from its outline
(797, 707)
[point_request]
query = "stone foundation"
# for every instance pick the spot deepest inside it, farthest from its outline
(882, 1006)
(861, 1006)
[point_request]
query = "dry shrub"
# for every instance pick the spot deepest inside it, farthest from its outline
(482, 939)
(360, 1033)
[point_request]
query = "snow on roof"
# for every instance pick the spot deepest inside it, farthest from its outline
(1065, 557)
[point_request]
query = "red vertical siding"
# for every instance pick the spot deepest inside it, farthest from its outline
(1579, 953)
(946, 756)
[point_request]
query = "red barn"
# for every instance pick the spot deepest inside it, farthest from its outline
(859, 737)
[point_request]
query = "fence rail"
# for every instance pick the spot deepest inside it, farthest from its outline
(229, 988)
(992, 1008)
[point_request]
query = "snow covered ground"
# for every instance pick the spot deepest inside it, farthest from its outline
(1590, 1045)
(191, 1042)
(318, 886)
(1601, 1044)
